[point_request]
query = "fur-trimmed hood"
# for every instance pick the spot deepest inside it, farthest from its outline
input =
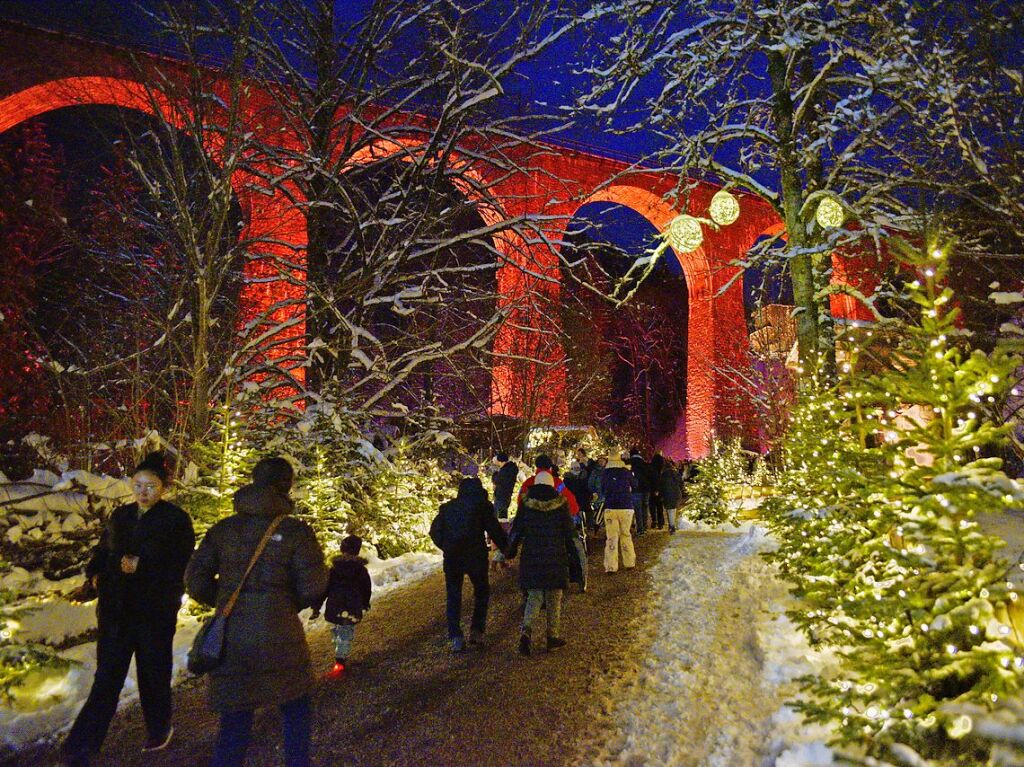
(544, 498)
(354, 558)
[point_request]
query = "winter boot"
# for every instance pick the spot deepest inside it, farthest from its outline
(554, 643)
(458, 644)
(476, 640)
(524, 644)
(158, 743)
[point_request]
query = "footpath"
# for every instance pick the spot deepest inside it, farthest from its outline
(407, 700)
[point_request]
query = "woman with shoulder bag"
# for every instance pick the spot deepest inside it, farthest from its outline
(265, 657)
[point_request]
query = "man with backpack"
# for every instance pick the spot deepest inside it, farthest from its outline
(458, 530)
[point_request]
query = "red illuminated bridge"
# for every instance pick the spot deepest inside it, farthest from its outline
(42, 71)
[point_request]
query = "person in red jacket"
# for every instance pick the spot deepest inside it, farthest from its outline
(545, 464)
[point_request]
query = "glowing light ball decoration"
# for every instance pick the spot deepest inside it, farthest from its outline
(685, 234)
(830, 213)
(724, 208)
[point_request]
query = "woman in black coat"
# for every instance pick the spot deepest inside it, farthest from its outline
(136, 571)
(543, 528)
(458, 530)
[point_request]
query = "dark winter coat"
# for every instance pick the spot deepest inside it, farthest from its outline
(504, 480)
(594, 484)
(642, 471)
(618, 485)
(163, 540)
(348, 590)
(577, 484)
(459, 527)
(544, 529)
(670, 485)
(266, 659)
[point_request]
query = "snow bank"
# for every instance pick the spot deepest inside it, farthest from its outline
(787, 656)
(387, 574)
(45, 507)
(46, 705)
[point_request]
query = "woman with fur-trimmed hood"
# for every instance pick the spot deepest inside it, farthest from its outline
(543, 528)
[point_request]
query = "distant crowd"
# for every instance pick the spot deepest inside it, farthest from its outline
(259, 567)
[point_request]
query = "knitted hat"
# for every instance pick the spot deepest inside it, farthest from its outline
(351, 544)
(544, 478)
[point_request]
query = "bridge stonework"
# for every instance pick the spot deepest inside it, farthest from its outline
(43, 71)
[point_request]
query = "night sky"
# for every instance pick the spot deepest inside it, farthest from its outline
(540, 85)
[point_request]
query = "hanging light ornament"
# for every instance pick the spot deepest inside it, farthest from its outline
(685, 234)
(830, 213)
(725, 208)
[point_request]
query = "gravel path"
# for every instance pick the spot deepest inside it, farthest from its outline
(408, 701)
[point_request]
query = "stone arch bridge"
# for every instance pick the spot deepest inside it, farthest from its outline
(44, 71)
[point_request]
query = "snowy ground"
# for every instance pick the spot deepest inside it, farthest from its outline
(712, 688)
(46, 705)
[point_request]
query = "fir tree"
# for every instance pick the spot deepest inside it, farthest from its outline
(718, 474)
(896, 571)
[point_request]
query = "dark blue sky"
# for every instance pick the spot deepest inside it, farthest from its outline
(539, 85)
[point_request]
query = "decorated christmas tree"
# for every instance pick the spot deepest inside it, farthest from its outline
(723, 471)
(917, 601)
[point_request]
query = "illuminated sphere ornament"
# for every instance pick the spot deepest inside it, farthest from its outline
(685, 234)
(725, 208)
(830, 213)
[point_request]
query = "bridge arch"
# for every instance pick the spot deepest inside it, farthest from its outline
(694, 439)
(272, 222)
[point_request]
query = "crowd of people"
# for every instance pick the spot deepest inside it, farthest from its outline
(261, 566)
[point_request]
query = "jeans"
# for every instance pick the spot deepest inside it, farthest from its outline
(152, 648)
(236, 729)
(641, 505)
(455, 570)
(550, 600)
(657, 511)
(343, 634)
(671, 518)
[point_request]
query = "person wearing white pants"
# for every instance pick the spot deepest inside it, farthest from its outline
(618, 485)
(617, 523)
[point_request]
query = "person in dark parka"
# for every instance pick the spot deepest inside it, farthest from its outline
(458, 530)
(266, 658)
(504, 480)
(136, 571)
(670, 486)
(544, 529)
(349, 589)
(642, 495)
